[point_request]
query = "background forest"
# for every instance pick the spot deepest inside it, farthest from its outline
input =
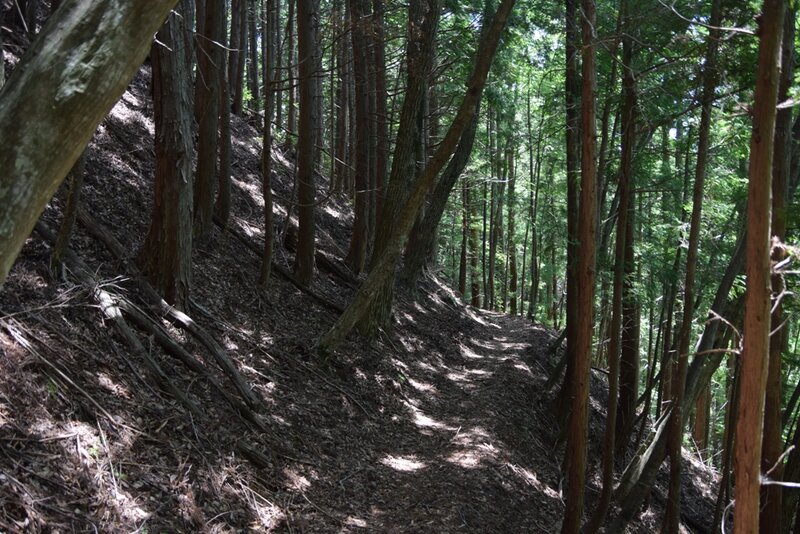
(302, 237)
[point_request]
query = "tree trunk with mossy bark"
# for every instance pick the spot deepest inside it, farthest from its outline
(80, 64)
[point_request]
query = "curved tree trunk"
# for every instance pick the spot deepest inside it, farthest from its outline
(421, 242)
(383, 270)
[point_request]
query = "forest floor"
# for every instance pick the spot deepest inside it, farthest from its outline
(443, 424)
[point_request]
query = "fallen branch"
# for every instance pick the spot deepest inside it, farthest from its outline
(183, 320)
(110, 309)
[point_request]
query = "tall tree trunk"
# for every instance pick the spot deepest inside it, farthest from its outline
(422, 240)
(755, 348)
(383, 270)
(511, 245)
(357, 252)
(423, 25)
(166, 254)
(773, 440)
(222, 207)
(462, 264)
(269, 76)
(236, 49)
(209, 59)
(625, 179)
(341, 105)
(585, 281)
(291, 65)
(381, 113)
(252, 55)
(307, 15)
(675, 437)
(572, 100)
(475, 280)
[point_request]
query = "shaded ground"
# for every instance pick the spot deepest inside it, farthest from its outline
(443, 425)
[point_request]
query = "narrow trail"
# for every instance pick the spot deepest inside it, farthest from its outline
(464, 450)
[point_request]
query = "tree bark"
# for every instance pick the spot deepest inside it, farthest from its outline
(222, 207)
(166, 254)
(511, 245)
(572, 101)
(209, 59)
(422, 240)
(269, 75)
(307, 15)
(357, 251)
(585, 281)
(755, 348)
(80, 64)
(772, 495)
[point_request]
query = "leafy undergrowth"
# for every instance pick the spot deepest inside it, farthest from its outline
(442, 425)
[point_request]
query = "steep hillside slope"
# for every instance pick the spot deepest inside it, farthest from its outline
(443, 425)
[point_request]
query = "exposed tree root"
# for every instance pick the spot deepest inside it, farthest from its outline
(179, 318)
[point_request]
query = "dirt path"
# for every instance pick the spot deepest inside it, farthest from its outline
(463, 450)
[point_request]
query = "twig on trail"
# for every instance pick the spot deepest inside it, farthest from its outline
(318, 508)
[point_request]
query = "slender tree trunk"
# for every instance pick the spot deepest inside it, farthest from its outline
(291, 65)
(75, 180)
(572, 99)
(166, 253)
(209, 59)
(675, 438)
(626, 177)
(357, 252)
(252, 56)
(234, 87)
(381, 113)
(222, 208)
(771, 462)
(585, 279)
(307, 15)
(755, 349)
(462, 265)
(269, 76)
(475, 285)
(341, 104)
(422, 240)
(512, 247)
(423, 25)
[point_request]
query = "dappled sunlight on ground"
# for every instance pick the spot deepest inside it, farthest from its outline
(400, 463)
